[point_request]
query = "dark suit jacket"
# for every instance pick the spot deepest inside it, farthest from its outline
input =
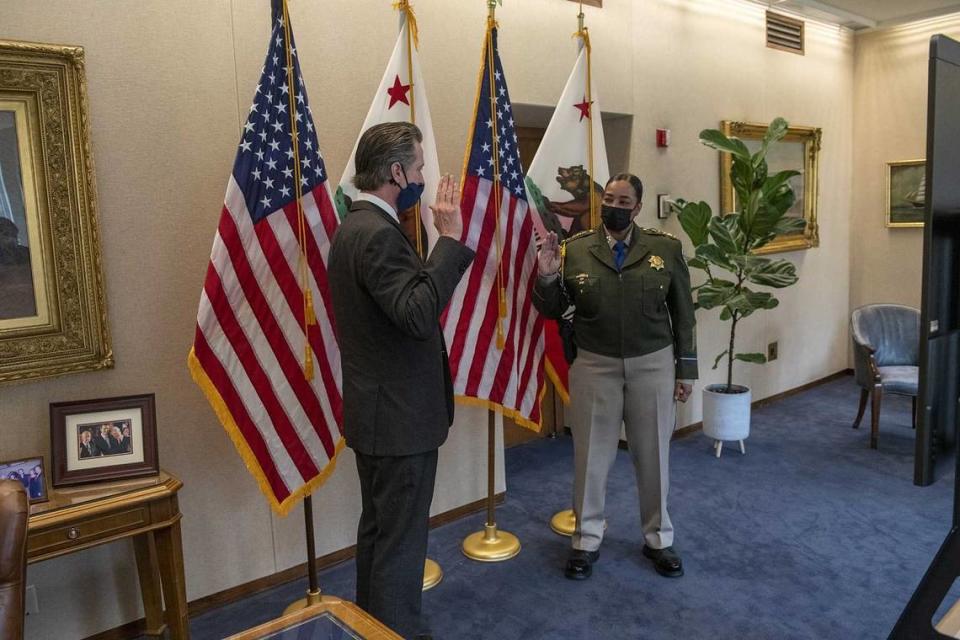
(397, 393)
(103, 444)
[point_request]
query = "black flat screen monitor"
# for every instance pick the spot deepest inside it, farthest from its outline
(939, 331)
(940, 306)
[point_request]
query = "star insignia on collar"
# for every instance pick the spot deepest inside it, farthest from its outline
(656, 262)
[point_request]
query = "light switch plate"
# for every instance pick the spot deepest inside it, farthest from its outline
(663, 206)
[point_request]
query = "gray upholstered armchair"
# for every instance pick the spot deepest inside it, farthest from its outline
(886, 357)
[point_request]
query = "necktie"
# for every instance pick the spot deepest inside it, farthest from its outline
(619, 254)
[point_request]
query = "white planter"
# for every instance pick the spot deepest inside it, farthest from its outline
(726, 416)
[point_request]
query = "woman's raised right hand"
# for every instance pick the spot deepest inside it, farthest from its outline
(548, 258)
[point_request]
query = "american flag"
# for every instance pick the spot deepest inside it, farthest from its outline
(493, 302)
(249, 349)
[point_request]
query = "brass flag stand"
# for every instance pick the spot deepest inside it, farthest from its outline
(564, 522)
(491, 544)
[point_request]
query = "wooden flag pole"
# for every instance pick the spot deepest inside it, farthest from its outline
(313, 589)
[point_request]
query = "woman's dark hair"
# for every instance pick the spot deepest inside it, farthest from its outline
(632, 179)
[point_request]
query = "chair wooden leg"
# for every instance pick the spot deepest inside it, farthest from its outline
(864, 394)
(914, 412)
(875, 415)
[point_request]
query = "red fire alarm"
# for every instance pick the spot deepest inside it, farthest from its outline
(663, 137)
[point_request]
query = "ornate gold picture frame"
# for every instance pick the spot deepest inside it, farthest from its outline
(799, 151)
(906, 193)
(52, 308)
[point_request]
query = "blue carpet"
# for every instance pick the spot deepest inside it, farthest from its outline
(810, 535)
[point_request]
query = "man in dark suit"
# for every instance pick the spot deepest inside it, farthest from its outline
(87, 448)
(117, 442)
(102, 440)
(397, 392)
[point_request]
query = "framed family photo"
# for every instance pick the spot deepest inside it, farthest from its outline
(30, 473)
(108, 439)
(906, 193)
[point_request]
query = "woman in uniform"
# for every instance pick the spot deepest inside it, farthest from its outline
(636, 356)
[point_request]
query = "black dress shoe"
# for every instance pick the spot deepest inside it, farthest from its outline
(665, 561)
(580, 564)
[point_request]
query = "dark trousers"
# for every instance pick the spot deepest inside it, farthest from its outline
(392, 537)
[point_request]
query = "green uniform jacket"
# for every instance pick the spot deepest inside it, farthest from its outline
(644, 308)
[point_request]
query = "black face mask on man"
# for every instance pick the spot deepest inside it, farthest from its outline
(615, 218)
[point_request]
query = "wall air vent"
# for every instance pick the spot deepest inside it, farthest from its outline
(783, 33)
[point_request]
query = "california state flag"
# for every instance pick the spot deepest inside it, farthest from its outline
(402, 96)
(559, 182)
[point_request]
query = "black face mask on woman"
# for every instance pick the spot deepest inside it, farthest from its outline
(615, 218)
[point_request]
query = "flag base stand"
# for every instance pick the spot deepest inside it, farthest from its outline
(564, 522)
(311, 599)
(491, 545)
(432, 574)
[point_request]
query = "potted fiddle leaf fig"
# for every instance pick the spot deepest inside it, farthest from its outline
(725, 247)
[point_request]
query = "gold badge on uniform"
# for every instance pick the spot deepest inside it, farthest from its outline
(656, 262)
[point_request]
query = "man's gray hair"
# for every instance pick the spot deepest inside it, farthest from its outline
(379, 147)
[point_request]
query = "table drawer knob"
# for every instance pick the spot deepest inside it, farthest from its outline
(73, 533)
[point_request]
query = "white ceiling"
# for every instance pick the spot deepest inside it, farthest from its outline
(861, 14)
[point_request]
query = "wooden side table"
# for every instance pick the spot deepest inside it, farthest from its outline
(329, 618)
(145, 510)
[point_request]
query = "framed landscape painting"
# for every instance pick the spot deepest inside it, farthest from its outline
(800, 151)
(906, 193)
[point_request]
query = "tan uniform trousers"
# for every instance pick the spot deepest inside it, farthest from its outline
(638, 393)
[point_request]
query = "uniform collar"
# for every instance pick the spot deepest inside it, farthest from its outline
(636, 249)
(613, 241)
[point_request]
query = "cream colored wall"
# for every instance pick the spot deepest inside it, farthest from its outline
(890, 100)
(170, 80)
(700, 62)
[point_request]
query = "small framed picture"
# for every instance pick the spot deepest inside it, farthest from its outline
(29, 471)
(906, 193)
(107, 439)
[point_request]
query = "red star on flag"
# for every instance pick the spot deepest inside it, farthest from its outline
(398, 93)
(584, 108)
